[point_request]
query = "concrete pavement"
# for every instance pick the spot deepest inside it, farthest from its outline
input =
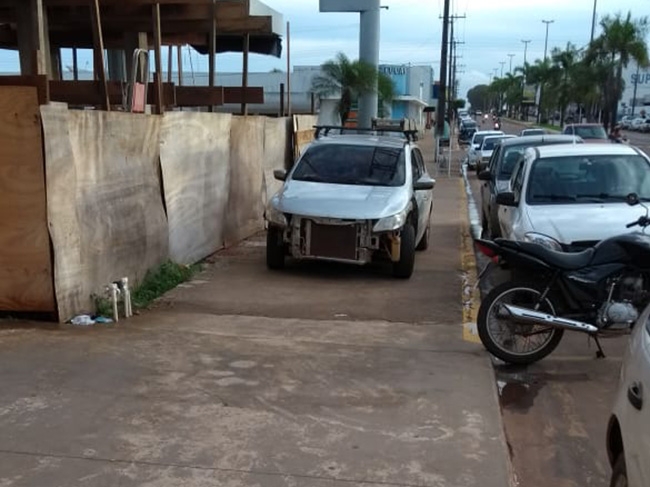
(319, 375)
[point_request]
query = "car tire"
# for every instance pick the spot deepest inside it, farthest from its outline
(275, 249)
(486, 234)
(403, 268)
(423, 244)
(619, 473)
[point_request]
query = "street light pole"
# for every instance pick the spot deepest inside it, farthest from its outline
(502, 63)
(511, 56)
(547, 22)
(593, 21)
(526, 42)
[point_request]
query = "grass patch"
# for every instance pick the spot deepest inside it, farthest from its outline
(548, 126)
(158, 281)
(155, 283)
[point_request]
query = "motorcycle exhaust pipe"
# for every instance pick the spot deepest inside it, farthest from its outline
(538, 318)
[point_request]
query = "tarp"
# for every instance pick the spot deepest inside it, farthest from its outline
(105, 208)
(245, 199)
(195, 161)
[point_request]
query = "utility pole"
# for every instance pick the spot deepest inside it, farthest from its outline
(547, 22)
(442, 93)
(593, 22)
(511, 56)
(526, 42)
(450, 90)
(636, 82)
(502, 63)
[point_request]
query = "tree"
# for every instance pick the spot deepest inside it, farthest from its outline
(479, 97)
(458, 104)
(386, 92)
(564, 76)
(351, 79)
(622, 40)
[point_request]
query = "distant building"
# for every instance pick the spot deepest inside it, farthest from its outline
(635, 80)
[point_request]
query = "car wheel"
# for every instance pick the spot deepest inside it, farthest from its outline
(404, 267)
(275, 250)
(619, 473)
(424, 241)
(486, 234)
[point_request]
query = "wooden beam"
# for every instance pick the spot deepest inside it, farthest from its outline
(199, 96)
(179, 51)
(99, 63)
(250, 95)
(247, 40)
(158, 53)
(213, 48)
(75, 64)
(88, 93)
(39, 81)
(170, 53)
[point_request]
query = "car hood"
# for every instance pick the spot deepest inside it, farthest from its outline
(593, 221)
(340, 200)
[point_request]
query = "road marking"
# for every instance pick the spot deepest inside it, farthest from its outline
(470, 293)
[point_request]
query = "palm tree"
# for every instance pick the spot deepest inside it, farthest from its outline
(622, 40)
(351, 79)
(564, 64)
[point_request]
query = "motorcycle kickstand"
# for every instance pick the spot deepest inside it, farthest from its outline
(600, 353)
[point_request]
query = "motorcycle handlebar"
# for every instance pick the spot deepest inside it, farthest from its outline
(642, 222)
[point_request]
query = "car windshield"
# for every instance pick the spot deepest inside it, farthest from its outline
(478, 138)
(469, 125)
(534, 132)
(590, 132)
(511, 156)
(490, 143)
(352, 164)
(588, 179)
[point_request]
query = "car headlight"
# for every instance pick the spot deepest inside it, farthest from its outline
(275, 216)
(390, 223)
(545, 240)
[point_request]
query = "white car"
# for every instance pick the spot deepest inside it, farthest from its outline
(637, 123)
(628, 432)
(474, 151)
(354, 197)
(626, 122)
(568, 197)
(487, 149)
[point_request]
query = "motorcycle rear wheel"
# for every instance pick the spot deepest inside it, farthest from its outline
(502, 336)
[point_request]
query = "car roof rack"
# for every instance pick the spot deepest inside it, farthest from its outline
(410, 135)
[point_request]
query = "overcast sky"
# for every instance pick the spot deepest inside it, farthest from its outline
(411, 33)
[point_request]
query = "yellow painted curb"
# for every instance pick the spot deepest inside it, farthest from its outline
(470, 294)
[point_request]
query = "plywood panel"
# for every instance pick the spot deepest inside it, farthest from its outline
(276, 153)
(105, 206)
(303, 132)
(195, 161)
(25, 260)
(245, 203)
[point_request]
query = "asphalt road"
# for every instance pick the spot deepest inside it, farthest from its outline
(555, 412)
(642, 141)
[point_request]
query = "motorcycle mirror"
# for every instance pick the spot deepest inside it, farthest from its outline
(632, 199)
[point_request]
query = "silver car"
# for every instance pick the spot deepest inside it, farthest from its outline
(352, 199)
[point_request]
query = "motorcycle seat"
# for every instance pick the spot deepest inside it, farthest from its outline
(568, 261)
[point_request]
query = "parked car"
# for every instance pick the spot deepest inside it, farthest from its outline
(637, 123)
(589, 132)
(626, 122)
(473, 153)
(628, 432)
(352, 198)
(569, 197)
(645, 126)
(466, 132)
(532, 131)
(496, 177)
(487, 148)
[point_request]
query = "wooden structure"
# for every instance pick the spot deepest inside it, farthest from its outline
(39, 29)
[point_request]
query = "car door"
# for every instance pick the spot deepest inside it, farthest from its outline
(487, 187)
(508, 215)
(634, 397)
(423, 198)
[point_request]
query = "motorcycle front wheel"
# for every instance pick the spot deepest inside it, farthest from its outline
(512, 341)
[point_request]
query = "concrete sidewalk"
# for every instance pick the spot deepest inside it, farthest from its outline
(316, 376)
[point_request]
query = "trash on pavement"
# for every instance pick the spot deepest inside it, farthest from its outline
(82, 320)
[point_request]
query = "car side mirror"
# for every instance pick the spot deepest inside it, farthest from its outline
(506, 199)
(280, 174)
(632, 199)
(424, 184)
(485, 175)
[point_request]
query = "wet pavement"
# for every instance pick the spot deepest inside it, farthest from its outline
(556, 411)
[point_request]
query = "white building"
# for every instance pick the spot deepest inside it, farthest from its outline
(637, 80)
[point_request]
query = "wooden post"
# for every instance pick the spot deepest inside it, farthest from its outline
(180, 65)
(170, 65)
(281, 99)
(99, 60)
(158, 55)
(213, 48)
(244, 105)
(289, 69)
(75, 64)
(313, 103)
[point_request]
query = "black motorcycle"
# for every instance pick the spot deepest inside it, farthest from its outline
(599, 291)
